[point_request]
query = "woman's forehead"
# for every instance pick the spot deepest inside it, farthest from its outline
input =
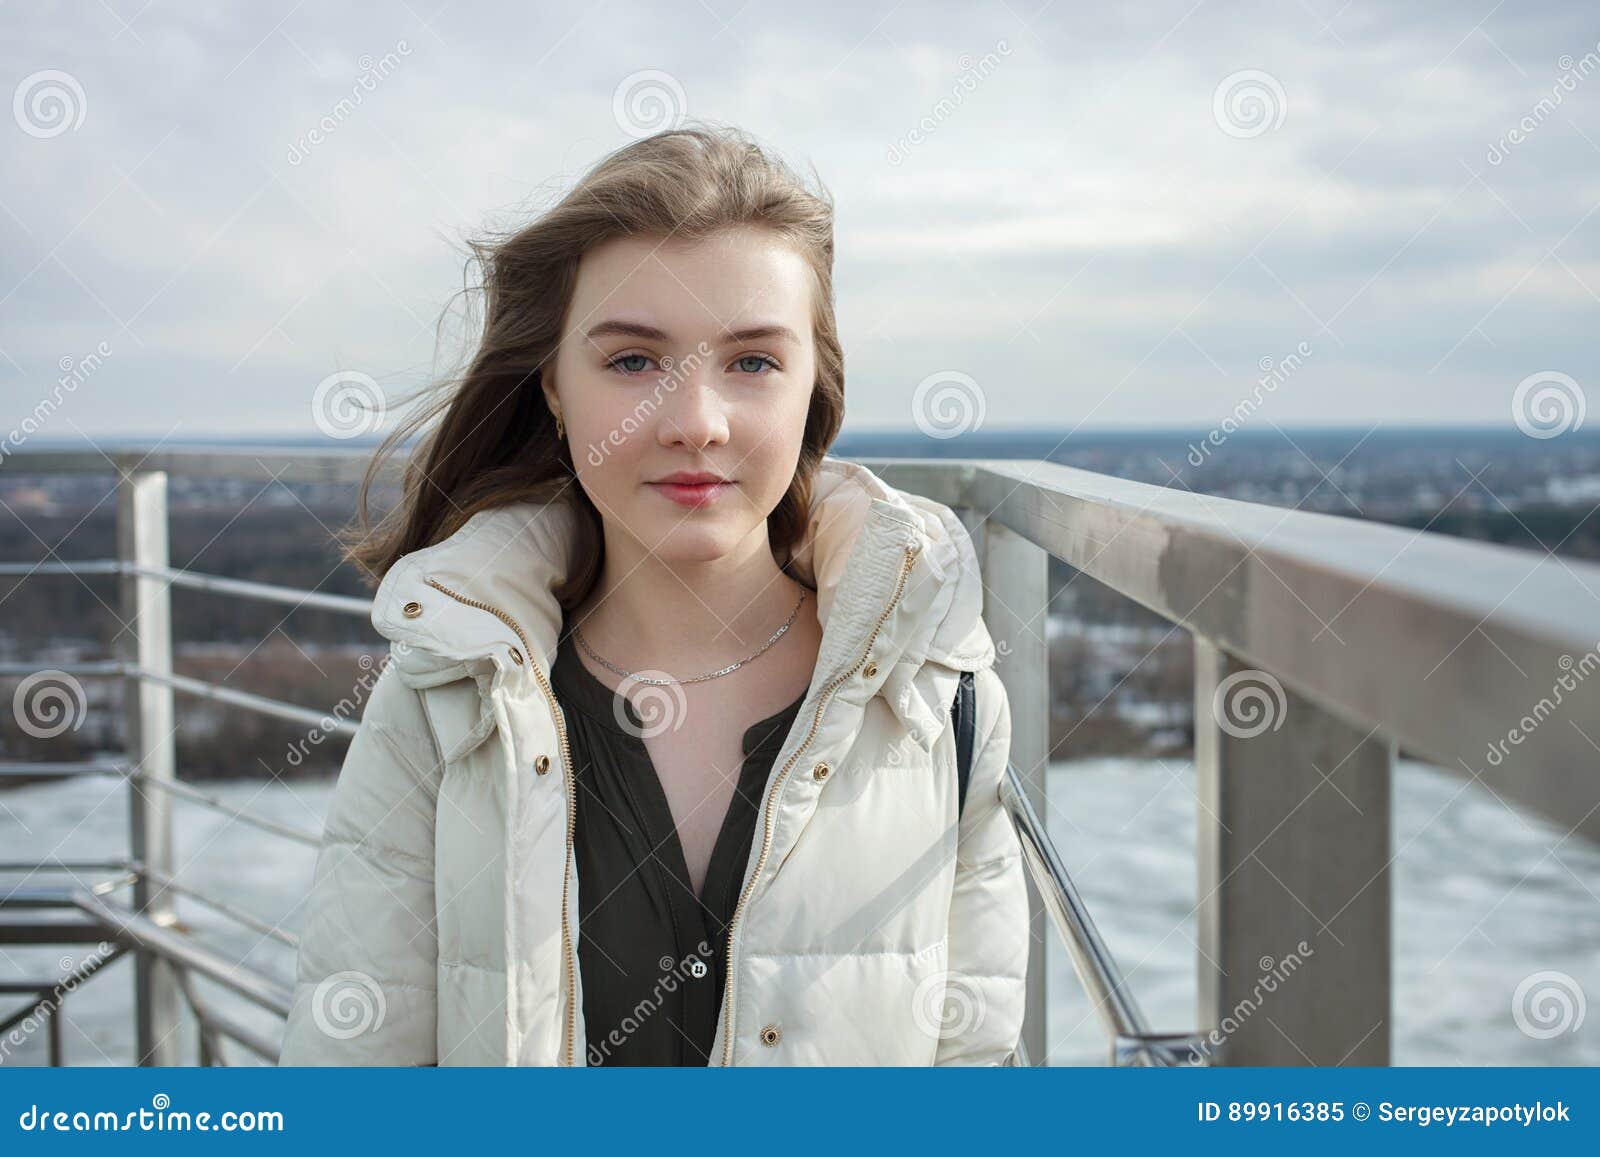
(690, 288)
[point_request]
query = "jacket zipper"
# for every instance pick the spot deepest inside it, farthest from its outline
(777, 786)
(570, 966)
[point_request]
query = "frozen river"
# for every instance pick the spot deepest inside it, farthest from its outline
(1484, 898)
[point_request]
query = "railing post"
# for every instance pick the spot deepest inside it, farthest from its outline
(146, 643)
(1294, 952)
(1016, 578)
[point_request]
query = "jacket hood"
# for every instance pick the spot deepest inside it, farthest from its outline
(502, 566)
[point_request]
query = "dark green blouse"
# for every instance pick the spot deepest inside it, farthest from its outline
(651, 953)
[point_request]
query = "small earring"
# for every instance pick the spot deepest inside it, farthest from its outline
(560, 429)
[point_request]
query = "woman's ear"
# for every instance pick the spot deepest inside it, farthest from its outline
(547, 383)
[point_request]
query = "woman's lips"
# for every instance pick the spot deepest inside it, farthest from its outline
(692, 493)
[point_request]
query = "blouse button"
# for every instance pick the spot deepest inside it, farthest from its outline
(697, 968)
(770, 1035)
(872, 669)
(412, 610)
(820, 772)
(542, 764)
(516, 656)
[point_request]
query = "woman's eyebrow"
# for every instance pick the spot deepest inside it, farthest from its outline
(616, 327)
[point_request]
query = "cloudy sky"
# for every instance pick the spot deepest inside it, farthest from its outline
(1099, 218)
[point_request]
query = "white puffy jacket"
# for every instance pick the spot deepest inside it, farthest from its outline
(871, 929)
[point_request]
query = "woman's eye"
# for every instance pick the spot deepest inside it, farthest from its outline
(629, 358)
(752, 363)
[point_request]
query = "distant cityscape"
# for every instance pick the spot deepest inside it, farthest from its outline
(1120, 677)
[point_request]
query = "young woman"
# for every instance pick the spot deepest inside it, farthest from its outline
(660, 769)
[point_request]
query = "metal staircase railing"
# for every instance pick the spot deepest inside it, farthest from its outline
(1353, 638)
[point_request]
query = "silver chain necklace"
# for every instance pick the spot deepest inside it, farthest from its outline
(776, 635)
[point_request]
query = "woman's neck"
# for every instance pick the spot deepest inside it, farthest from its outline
(686, 618)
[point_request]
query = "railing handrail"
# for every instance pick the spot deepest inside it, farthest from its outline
(1410, 634)
(1313, 598)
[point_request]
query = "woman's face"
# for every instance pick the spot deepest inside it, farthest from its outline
(687, 357)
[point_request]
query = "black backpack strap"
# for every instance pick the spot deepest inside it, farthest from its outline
(964, 714)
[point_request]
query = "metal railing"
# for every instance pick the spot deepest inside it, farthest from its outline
(1357, 638)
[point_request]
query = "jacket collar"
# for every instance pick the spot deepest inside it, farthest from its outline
(852, 554)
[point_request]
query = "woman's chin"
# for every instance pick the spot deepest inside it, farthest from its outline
(689, 544)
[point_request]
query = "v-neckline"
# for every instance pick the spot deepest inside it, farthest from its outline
(597, 702)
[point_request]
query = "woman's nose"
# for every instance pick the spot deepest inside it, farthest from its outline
(694, 414)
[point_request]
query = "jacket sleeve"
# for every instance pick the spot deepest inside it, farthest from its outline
(989, 928)
(365, 976)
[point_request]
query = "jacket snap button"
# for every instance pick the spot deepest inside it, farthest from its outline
(412, 610)
(820, 771)
(516, 656)
(770, 1035)
(872, 669)
(542, 764)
